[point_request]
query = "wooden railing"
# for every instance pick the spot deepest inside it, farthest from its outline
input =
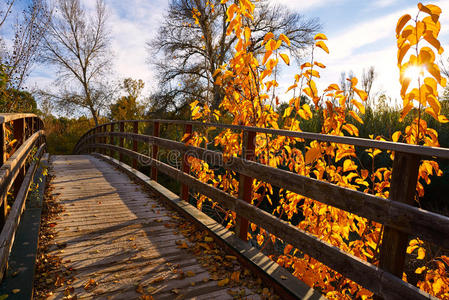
(397, 214)
(22, 142)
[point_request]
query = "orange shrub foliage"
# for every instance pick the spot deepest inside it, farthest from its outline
(249, 80)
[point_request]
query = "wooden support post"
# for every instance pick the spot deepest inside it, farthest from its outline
(121, 140)
(111, 140)
(155, 150)
(19, 131)
(402, 189)
(3, 155)
(136, 131)
(185, 163)
(104, 138)
(3, 141)
(246, 183)
(19, 135)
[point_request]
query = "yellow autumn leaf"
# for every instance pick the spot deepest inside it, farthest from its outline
(320, 36)
(420, 270)
(268, 36)
(284, 38)
(322, 45)
(396, 136)
(401, 23)
(312, 154)
(421, 253)
(355, 116)
(318, 64)
(285, 58)
(359, 106)
(429, 9)
(223, 282)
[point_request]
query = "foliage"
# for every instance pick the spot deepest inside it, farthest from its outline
(63, 133)
(193, 42)
(127, 107)
(249, 84)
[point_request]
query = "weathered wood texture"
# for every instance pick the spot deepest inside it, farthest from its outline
(378, 281)
(112, 234)
(408, 219)
(282, 280)
(424, 151)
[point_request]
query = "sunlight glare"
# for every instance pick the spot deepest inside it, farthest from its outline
(413, 72)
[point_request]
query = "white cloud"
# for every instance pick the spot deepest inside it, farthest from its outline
(308, 5)
(371, 43)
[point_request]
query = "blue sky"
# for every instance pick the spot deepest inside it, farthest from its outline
(361, 33)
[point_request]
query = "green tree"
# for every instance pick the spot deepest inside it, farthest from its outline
(128, 107)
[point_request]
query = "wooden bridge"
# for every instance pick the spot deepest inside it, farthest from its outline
(122, 235)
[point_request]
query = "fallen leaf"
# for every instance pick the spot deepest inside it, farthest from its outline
(15, 291)
(231, 257)
(208, 239)
(223, 282)
(190, 274)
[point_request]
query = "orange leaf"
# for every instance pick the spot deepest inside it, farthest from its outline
(359, 106)
(320, 36)
(401, 23)
(355, 116)
(284, 38)
(285, 58)
(268, 36)
(312, 154)
(322, 45)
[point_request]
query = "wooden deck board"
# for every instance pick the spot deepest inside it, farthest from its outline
(113, 232)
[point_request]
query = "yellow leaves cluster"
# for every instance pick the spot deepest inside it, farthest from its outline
(249, 84)
(421, 59)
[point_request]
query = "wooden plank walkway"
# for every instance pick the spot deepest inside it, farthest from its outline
(124, 242)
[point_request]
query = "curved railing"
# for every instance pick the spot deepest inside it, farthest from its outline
(397, 214)
(22, 144)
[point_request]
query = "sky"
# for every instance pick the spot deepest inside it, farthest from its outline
(361, 34)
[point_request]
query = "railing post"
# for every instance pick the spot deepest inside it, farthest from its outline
(155, 150)
(104, 138)
(402, 189)
(185, 163)
(136, 131)
(3, 154)
(19, 135)
(111, 140)
(121, 140)
(246, 183)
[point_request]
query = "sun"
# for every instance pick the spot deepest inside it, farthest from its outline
(413, 72)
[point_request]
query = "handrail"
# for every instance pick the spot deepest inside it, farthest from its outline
(17, 172)
(396, 213)
(412, 220)
(422, 151)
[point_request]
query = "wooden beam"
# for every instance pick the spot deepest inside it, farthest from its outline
(246, 182)
(424, 224)
(156, 131)
(402, 189)
(135, 144)
(423, 151)
(185, 163)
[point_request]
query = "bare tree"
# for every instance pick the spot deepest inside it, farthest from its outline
(186, 54)
(368, 77)
(28, 31)
(78, 45)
